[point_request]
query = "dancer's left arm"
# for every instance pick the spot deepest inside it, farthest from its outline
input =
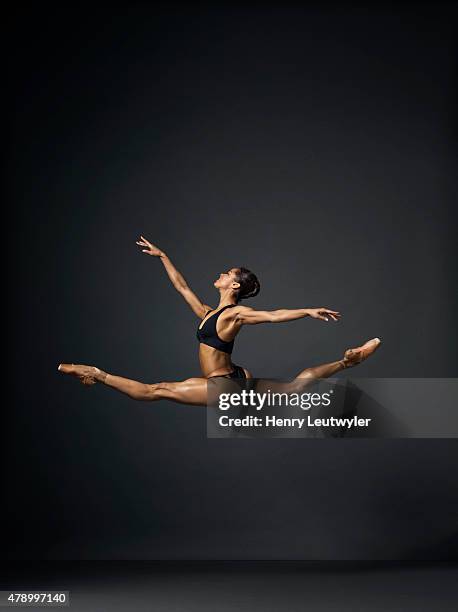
(250, 316)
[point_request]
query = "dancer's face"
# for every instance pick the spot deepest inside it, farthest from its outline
(227, 279)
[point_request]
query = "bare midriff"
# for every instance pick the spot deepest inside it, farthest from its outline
(214, 362)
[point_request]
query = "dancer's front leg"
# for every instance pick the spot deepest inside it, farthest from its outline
(192, 391)
(352, 357)
(307, 377)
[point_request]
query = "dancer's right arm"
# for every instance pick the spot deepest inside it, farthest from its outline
(176, 277)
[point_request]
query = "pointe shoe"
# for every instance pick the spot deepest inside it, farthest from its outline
(86, 374)
(354, 356)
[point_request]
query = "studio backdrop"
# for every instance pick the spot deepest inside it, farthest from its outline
(313, 145)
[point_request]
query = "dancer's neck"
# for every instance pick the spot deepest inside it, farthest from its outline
(226, 300)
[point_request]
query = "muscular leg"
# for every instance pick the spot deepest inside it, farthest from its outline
(308, 376)
(352, 357)
(302, 380)
(322, 371)
(192, 391)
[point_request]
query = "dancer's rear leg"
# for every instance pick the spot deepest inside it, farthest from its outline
(192, 391)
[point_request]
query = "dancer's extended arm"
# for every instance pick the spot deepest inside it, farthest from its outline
(249, 316)
(176, 277)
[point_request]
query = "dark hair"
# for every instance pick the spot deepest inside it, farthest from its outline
(249, 284)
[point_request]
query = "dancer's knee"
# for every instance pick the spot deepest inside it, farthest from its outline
(149, 392)
(305, 379)
(184, 392)
(155, 391)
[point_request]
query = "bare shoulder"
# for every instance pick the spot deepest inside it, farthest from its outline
(206, 308)
(239, 311)
(250, 316)
(240, 308)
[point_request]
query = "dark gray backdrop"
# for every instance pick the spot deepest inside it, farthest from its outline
(315, 146)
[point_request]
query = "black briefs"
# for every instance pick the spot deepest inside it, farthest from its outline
(238, 372)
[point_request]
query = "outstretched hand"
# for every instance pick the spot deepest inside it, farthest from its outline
(323, 313)
(150, 248)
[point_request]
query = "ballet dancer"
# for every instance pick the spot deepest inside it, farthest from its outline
(216, 333)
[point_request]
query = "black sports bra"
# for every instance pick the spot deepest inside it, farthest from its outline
(207, 335)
